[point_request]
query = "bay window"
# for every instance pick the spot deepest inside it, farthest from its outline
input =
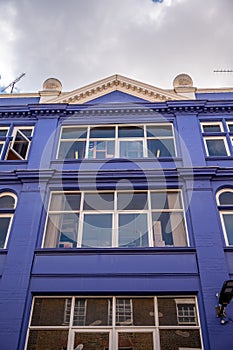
(123, 219)
(128, 141)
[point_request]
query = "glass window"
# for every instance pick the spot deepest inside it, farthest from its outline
(101, 142)
(7, 207)
(97, 231)
(104, 323)
(225, 206)
(115, 219)
(216, 139)
(216, 147)
(15, 142)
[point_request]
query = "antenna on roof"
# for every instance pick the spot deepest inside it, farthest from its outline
(12, 85)
(223, 71)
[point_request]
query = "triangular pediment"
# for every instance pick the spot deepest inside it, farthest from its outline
(117, 83)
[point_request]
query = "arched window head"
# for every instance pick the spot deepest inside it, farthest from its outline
(8, 203)
(225, 206)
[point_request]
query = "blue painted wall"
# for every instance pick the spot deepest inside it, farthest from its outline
(26, 269)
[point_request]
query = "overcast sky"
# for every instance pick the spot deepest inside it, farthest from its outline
(81, 41)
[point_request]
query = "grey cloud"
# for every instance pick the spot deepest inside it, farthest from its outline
(81, 41)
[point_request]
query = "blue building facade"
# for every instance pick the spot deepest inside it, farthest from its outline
(116, 217)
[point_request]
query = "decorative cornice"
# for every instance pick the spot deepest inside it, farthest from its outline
(34, 112)
(117, 83)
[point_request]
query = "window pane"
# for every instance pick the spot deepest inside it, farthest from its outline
(1, 147)
(172, 310)
(49, 312)
(124, 312)
(3, 132)
(98, 201)
(92, 340)
(92, 312)
(4, 226)
(131, 149)
(65, 202)
(97, 230)
(186, 314)
(7, 202)
(135, 312)
(169, 229)
(226, 198)
(136, 341)
(61, 231)
(133, 230)
(27, 132)
(101, 149)
(72, 150)
(161, 148)
(74, 133)
(211, 128)
(230, 126)
(180, 338)
(166, 200)
(228, 223)
(47, 339)
(102, 133)
(132, 200)
(20, 145)
(216, 147)
(130, 131)
(159, 130)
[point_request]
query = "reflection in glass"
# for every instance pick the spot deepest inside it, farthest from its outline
(161, 148)
(92, 340)
(97, 230)
(131, 149)
(101, 149)
(133, 230)
(47, 339)
(216, 147)
(169, 229)
(98, 201)
(72, 149)
(136, 341)
(228, 223)
(4, 226)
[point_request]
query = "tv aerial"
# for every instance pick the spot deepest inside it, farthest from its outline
(223, 71)
(12, 84)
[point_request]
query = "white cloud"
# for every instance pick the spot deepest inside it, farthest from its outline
(81, 41)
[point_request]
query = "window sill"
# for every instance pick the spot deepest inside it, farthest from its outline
(116, 160)
(115, 251)
(216, 158)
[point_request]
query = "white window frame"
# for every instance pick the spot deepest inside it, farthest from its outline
(229, 123)
(16, 130)
(113, 330)
(216, 135)
(143, 139)
(188, 302)
(4, 138)
(223, 212)
(212, 124)
(115, 212)
(8, 215)
(223, 138)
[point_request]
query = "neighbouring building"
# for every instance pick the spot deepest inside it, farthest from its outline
(116, 216)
